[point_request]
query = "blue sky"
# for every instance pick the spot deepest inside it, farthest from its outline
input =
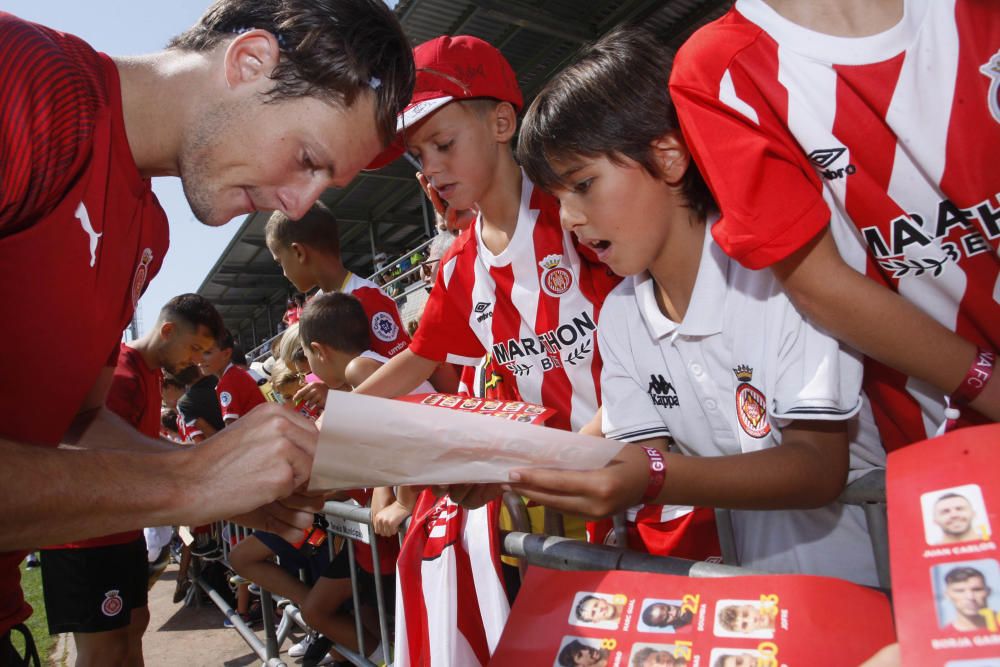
(132, 27)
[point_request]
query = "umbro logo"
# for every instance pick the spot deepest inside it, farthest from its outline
(661, 392)
(824, 158)
(481, 310)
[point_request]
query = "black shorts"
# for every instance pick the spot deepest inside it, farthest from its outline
(340, 568)
(94, 589)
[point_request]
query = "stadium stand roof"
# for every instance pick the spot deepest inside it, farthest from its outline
(385, 211)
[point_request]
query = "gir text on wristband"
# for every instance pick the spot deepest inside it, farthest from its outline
(657, 473)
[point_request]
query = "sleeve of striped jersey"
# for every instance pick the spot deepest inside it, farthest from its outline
(381, 309)
(45, 122)
(628, 413)
(444, 333)
(769, 194)
(816, 378)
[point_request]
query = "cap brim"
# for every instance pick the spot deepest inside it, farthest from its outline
(410, 117)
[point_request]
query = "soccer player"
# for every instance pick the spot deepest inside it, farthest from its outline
(96, 588)
(255, 107)
(700, 354)
(953, 514)
(851, 147)
(593, 609)
(578, 654)
(966, 589)
(666, 615)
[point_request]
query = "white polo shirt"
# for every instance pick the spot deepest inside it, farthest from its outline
(742, 365)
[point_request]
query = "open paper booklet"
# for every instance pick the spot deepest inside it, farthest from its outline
(441, 439)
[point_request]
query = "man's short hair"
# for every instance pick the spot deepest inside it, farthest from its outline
(337, 320)
(194, 311)
(612, 102)
(567, 656)
(579, 605)
(317, 229)
(959, 574)
(330, 49)
(952, 494)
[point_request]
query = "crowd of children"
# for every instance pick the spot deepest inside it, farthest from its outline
(762, 262)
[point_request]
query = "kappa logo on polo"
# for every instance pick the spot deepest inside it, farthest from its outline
(992, 70)
(481, 311)
(662, 393)
(824, 158)
(112, 603)
(751, 405)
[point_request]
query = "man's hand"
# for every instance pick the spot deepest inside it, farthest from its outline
(592, 493)
(262, 457)
(288, 518)
(386, 522)
(313, 394)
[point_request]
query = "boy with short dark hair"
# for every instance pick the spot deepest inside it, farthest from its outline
(237, 391)
(706, 364)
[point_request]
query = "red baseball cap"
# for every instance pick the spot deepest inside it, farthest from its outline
(448, 69)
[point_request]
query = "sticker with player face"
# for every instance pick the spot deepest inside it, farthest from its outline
(470, 404)
(491, 406)
(433, 399)
(451, 401)
(645, 654)
(735, 657)
(659, 615)
(584, 652)
(597, 610)
(967, 595)
(746, 618)
(954, 515)
(513, 407)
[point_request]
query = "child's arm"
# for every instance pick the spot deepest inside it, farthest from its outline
(875, 320)
(401, 375)
(360, 369)
(389, 511)
(808, 469)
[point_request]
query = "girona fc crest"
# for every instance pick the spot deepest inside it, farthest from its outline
(556, 279)
(139, 279)
(992, 70)
(751, 405)
(112, 604)
(442, 526)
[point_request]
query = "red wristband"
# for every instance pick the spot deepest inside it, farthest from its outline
(657, 473)
(976, 378)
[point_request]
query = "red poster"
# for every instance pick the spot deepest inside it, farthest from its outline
(943, 496)
(519, 411)
(636, 619)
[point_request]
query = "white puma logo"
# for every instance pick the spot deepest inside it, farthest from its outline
(84, 218)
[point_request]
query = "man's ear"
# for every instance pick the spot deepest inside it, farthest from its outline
(505, 122)
(250, 58)
(167, 330)
(671, 156)
(301, 253)
(318, 350)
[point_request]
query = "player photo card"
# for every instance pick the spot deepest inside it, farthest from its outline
(525, 419)
(736, 657)
(597, 610)
(432, 399)
(513, 407)
(575, 651)
(534, 410)
(450, 401)
(470, 404)
(659, 615)
(954, 515)
(645, 654)
(491, 406)
(967, 595)
(745, 618)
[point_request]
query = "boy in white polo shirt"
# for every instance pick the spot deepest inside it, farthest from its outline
(737, 400)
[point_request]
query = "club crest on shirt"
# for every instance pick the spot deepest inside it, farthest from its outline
(112, 604)
(384, 327)
(751, 405)
(992, 70)
(225, 398)
(556, 279)
(139, 278)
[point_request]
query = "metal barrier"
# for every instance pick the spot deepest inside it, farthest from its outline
(868, 491)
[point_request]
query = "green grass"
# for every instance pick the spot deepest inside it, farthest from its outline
(31, 583)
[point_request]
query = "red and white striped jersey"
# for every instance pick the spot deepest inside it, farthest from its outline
(387, 336)
(451, 606)
(891, 138)
(533, 308)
